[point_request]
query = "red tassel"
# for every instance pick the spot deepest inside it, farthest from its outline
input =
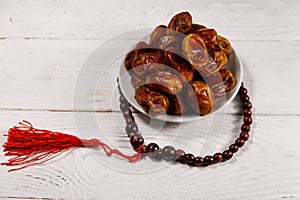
(30, 146)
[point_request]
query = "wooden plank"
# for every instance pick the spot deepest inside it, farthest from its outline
(266, 168)
(41, 74)
(238, 20)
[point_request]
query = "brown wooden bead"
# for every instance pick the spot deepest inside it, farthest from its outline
(122, 99)
(152, 149)
(198, 161)
(126, 114)
(247, 104)
(129, 120)
(244, 98)
(247, 112)
(240, 142)
(124, 106)
(168, 153)
(131, 128)
(227, 155)
(180, 155)
(136, 141)
(208, 160)
(189, 158)
(242, 91)
(248, 120)
(245, 127)
(244, 135)
(233, 148)
(218, 157)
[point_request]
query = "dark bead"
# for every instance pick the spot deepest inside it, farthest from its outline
(208, 160)
(168, 153)
(248, 120)
(244, 98)
(198, 161)
(122, 99)
(227, 155)
(179, 155)
(129, 120)
(245, 127)
(131, 128)
(244, 135)
(152, 149)
(218, 157)
(247, 112)
(233, 148)
(247, 104)
(240, 142)
(126, 114)
(136, 141)
(243, 91)
(124, 106)
(189, 158)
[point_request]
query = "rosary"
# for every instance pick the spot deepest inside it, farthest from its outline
(29, 146)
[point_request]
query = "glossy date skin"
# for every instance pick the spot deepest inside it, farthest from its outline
(219, 57)
(178, 63)
(224, 44)
(195, 51)
(222, 82)
(129, 60)
(159, 32)
(209, 36)
(167, 42)
(147, 63)
(151, 101)
(201, 98)
(164, 81)
(178, 104)
(182, 22)
(197, 27)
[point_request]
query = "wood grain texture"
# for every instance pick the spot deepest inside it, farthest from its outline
(266, 168)
(238, 20)
(43, 47)
(46, 72)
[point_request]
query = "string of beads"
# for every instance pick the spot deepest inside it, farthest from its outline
(169, 153)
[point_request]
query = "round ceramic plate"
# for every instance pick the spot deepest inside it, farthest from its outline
(234, 64)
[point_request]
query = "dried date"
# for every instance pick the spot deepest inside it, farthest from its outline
(151, 101)
(159, 32)
(147, 63)
(164, 81)
(201, 97)
(178, 63)
(224, 44)
(182, 22)
(221, 83)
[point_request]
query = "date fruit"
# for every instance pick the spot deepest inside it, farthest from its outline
(164, 81)
(182, 22)
(221, 83)
(151, 101)
(147, 63)
(201, 97)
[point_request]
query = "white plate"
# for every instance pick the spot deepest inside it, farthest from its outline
(234, 64)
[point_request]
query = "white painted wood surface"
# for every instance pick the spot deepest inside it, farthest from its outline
(43, 45)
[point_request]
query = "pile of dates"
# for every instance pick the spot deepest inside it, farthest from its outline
(181, 69)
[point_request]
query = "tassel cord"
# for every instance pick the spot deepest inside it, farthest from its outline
(28, 146)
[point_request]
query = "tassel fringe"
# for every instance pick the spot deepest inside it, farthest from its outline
(29, 146)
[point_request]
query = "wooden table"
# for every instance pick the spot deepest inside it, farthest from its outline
(43, 47)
